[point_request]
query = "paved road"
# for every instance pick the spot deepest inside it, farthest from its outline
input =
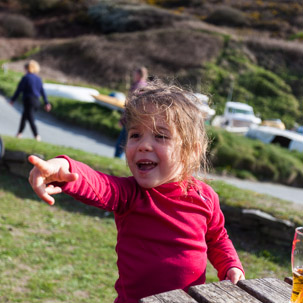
(60, 133)
(276, 190)
(54, 131)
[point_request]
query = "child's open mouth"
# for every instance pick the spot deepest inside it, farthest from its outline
(146, 165)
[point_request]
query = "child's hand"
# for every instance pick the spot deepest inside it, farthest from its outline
(234, 274)
(45, 172)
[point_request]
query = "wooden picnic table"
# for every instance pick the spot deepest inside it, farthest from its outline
(266, 290)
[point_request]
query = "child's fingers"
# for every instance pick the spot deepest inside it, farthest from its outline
(66, 176)
(43, 194)
(47, 198)
(234, 275)
(39, 188)
(51, 190)
(46, 172)
(39, 163)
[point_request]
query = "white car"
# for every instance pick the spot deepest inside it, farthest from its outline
(284, 138)
(239, 114)
(237, 117)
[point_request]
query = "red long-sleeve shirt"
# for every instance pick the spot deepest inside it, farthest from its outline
(164, 235)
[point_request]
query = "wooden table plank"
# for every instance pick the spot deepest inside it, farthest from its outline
(174, 296)
(220, 292)
(267, 290)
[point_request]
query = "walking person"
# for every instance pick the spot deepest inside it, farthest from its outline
(139, 80)
(169, 222)
(31, 88)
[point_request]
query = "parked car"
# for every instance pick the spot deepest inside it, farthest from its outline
(284, 138)
(237, 117)
(299, 129)
(273, 123)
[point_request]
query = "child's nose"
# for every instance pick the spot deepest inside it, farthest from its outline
(145, 144)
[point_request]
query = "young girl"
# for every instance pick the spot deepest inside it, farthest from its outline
(168, 221)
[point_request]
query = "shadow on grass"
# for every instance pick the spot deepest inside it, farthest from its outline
(253, 242)
(21, 188)
(249, 241)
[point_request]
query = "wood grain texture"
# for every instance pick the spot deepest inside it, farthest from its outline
(267, 290)
(174, 296)
(220, 292)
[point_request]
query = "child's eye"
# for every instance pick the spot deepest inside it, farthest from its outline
(134, 135)
(161, 136)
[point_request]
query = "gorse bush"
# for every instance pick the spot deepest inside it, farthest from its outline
(17, 26)
(234, 154)
(267, 92)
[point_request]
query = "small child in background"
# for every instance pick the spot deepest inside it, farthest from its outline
(140, 76)
(168, 221)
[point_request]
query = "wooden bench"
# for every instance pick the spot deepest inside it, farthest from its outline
(266, 290)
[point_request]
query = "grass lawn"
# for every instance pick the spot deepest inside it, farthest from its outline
(66, 253)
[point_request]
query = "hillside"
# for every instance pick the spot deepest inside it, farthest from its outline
(251, 48)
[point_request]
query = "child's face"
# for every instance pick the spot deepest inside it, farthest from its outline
(153, 154)
(136, 77)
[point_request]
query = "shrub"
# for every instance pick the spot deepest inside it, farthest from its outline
(226, 15)
(237, 154)
(273, 98)
(269, 94)
(111, 17)
(297, 36)
(17, 26)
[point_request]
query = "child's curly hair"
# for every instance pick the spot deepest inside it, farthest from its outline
(179, 107)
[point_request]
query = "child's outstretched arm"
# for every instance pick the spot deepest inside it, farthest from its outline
(234, 274)
(46, 172)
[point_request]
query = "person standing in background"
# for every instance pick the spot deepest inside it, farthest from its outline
(31, 87)
(139, 80)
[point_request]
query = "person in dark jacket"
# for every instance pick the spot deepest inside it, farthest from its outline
(31, 87)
